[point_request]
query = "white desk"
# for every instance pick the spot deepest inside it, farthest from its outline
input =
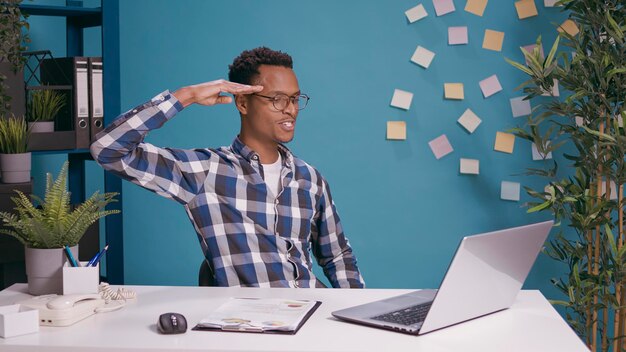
(530, 325)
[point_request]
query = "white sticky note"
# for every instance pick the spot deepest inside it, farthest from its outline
(579, 121)
(440, 146)
(443, 7)
(520, 107)
(469, 121)
(555, 89)
(457, 35)
(509, 190)
(490, 86)
(422, 56)
(416, 13)
(401, 99)
(537, 155)
(613, 194)
(469, 166)
(549, 3)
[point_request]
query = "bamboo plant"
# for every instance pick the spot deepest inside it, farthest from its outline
(14, 135)
(587, 195)
(44, 105)
(53, 222)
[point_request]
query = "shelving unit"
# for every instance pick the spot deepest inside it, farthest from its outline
(77, 19)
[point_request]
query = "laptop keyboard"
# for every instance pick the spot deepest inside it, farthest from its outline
(406, 316)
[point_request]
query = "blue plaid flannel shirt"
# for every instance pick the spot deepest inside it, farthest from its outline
(250, 237)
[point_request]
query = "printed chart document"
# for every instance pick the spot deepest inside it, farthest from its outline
(272, 315)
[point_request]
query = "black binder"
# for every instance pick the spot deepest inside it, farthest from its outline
(96, 100)
(72, 71)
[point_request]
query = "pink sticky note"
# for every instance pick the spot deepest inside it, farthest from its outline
(440, 146)
(443, 7)
(531, 47)
(490, 86)
(457, 35)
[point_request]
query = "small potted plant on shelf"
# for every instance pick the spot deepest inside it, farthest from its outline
(42, 108)
(46, 226)
(15, 161)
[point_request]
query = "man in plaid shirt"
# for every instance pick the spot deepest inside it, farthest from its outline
(258, 210)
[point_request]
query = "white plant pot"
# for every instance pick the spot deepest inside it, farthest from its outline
(41, 126)
(15, 168)
(44, 269)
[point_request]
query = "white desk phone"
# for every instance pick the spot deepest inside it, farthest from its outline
(55, 310)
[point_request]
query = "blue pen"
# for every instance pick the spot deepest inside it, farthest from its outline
(70, 257)
(96, 258)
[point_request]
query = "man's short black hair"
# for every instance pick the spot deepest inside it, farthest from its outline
(246, 65)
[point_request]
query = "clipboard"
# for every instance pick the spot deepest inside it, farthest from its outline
(256, 315)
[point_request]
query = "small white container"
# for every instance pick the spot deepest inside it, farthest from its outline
(81, 279)
(18, 320)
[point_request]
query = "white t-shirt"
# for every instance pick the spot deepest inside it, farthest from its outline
(271, 173)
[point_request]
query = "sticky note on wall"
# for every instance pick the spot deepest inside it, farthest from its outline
(570, 27)
(457, 35)
(520, 107)
(509, 190)
(454, 91)
(469, 166)
(469, 120)
(490, 86)
(396, 130)
(493, 40)
(537, 155)
(422, 56)
(477, 7)
(505, 142)
(530, 48)
(401, 99)
(440, 146)
(416, 13)
(443, 7)
(525, 9)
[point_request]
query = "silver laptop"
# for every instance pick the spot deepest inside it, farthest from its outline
(485, 276)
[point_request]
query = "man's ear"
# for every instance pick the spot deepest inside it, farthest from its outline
(241, 101)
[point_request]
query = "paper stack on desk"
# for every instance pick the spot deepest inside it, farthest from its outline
(259, 315)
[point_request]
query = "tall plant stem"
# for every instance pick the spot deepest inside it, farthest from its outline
(596, 254)
(620, 243)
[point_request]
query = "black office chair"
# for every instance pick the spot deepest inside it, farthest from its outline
(205, 275)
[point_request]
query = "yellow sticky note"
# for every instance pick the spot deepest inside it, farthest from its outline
(504, 142)
(477, 7)
(396, 130)
(570, 27)
(454, 91)
(493, 40)
(526, 8)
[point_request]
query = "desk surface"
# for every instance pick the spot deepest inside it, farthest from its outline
(531, 324)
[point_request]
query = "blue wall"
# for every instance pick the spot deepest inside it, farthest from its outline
(403, 210)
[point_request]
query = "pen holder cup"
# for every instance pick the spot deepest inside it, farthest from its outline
(82, 279)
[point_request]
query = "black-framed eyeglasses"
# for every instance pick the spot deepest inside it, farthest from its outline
(281, 101)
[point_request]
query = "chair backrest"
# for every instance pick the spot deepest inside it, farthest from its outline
(205, 275)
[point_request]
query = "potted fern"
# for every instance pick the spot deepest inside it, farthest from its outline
(42, 108)
(46, 225)
(15, 161)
